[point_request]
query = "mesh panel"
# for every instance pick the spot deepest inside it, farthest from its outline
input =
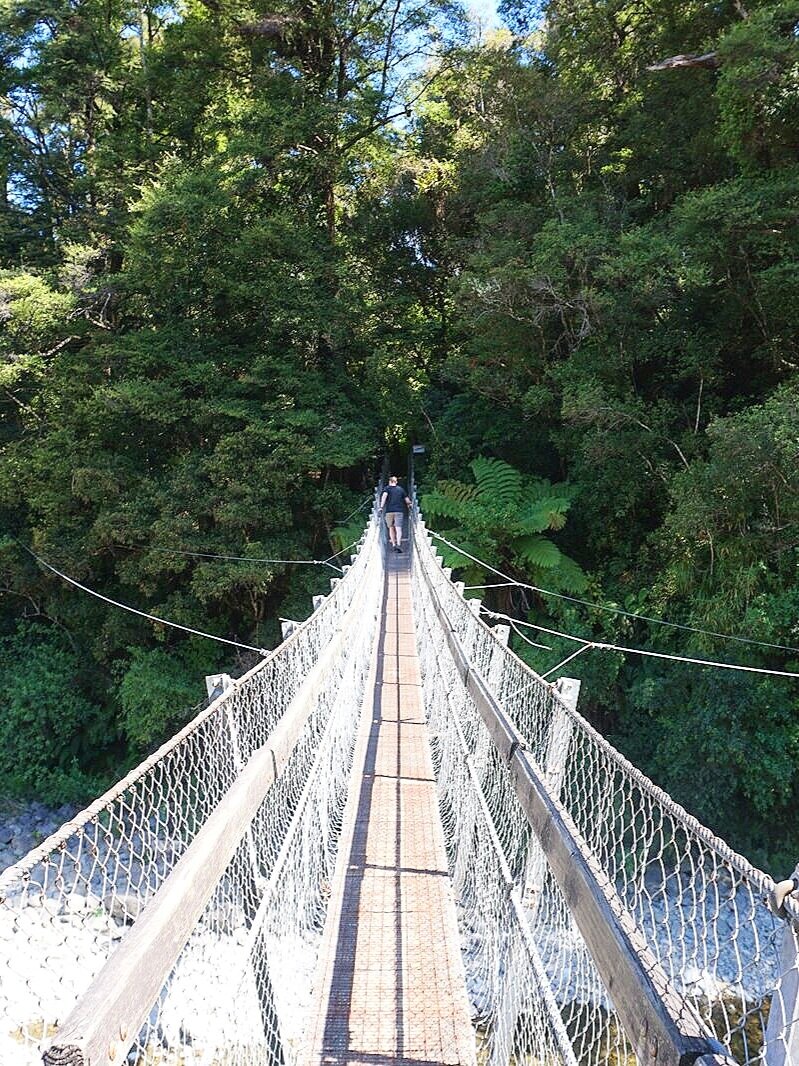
(66, 907)
(240, 990)
(700, 907)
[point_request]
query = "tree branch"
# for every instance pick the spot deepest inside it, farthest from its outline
(709, 60)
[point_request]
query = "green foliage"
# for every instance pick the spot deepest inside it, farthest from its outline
(743, 730)
(50, 730)
(156, 694)
(238, 260)
(759, 86)
(500, 518)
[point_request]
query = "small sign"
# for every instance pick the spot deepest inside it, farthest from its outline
(419, 449)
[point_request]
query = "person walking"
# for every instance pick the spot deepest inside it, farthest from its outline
(392, 504)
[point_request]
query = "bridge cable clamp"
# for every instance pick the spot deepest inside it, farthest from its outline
(516, 745)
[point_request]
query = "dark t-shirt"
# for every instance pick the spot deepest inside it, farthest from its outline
(395, 498)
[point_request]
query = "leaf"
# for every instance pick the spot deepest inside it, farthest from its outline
(452, 557)
(446, 504)
(538, 551)
(457, 490)
(342, 536)
(570, 576)
(549, 513)
(498, 483)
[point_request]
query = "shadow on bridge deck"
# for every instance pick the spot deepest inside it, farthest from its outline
(390, 978)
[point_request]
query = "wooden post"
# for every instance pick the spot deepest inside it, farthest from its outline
(217, 684)
(496, 670)
(262, 976)
(463, 856)
(318, 601)
(560, 731)
(479, 760)
(474, 604)
(781, 1043)
(509, 998)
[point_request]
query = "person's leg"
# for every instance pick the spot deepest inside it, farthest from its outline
(398, 527)
(390, 519)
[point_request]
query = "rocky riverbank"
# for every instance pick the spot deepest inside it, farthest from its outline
(25, 825)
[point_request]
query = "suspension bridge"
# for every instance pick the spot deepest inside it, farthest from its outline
(391, 840)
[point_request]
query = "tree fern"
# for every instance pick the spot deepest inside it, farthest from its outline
(546, 513)
(347, 534)
(500, 518)
(569, 577)
(538, 551)
(444, 504)
(498, 483)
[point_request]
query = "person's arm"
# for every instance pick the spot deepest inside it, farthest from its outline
(383, 500)
(409, 504)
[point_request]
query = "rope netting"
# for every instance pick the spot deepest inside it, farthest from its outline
(702, 910)
(238, 992)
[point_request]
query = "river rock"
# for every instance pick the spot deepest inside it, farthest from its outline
(124, 906)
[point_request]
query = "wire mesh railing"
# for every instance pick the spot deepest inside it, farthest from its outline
(69, 906)
(237, 988)
(698, 909)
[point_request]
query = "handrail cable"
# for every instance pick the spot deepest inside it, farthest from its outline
(509, 581)
(135, 610)
(248, 558)
(603, 646)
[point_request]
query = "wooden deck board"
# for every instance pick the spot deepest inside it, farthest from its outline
(390, 979)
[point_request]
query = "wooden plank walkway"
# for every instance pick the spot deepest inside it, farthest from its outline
(390, 977)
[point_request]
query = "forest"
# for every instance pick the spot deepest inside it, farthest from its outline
(249, 247)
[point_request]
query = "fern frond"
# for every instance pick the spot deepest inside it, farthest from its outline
(452, 557)
(570, 576)
(546, 513)
(498, 483)
(342, 536)
(457, 490)
(541, 488)
(538, 551)
(442, 506)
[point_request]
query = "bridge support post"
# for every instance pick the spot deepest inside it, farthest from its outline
(510, 994)
(560, 731)
(781, 1043)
